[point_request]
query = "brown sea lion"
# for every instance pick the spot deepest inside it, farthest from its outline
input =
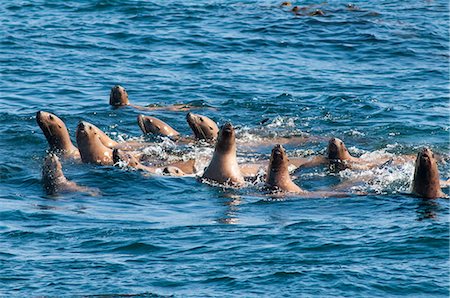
(338, 158)
(223, 167)
(279, 181)
(131, 161)
(57, 135)
(119, 97)
(426, 181)
(317, 12)
(91, 147)
(152, 125)
(174, 169)
(54, 180)
(278, 178)
(203, 127)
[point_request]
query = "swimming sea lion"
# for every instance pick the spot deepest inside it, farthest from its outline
(317, 12)
(131, 161)
(174, 169)
(426, 181)
(54, 180)
(278, 178)
(337, 157)
(57, 135)
(91, 148)
(152, 125)
(118, 97)
(203, 127)
(223, 167)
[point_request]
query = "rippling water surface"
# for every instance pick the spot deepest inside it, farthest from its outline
(376, 77)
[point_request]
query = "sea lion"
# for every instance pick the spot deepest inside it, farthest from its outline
(278, 178)
(57, 135)
(426, 181)
(337, 158)
(118, 97)
(152, 125)
(54, 180)
(223, 167)
(174, 169)
(131, 161)
(92, 149)
(203, 127)
(317, 12)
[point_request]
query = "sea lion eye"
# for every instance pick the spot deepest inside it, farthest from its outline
(342, 143)
(51, 117)
(211, 128)
(201, 119)
(176, 171)
(59, 126)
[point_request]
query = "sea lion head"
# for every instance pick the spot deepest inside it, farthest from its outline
(278, 159)
(278, 178)
(226, 139)
(52, 174)
(123, 156)
(55, 131)
(86, 133)
(203, 127)
(426, 175)
(118, 96)
(337, 151)
(173, 171)
(152, 125)
(90, 145)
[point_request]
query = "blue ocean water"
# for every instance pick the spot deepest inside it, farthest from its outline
(376, 77)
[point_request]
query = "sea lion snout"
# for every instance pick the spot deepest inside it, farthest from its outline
(426, 156)
(83, 128)
(42, 116)
(278, 150)
(227, 127)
